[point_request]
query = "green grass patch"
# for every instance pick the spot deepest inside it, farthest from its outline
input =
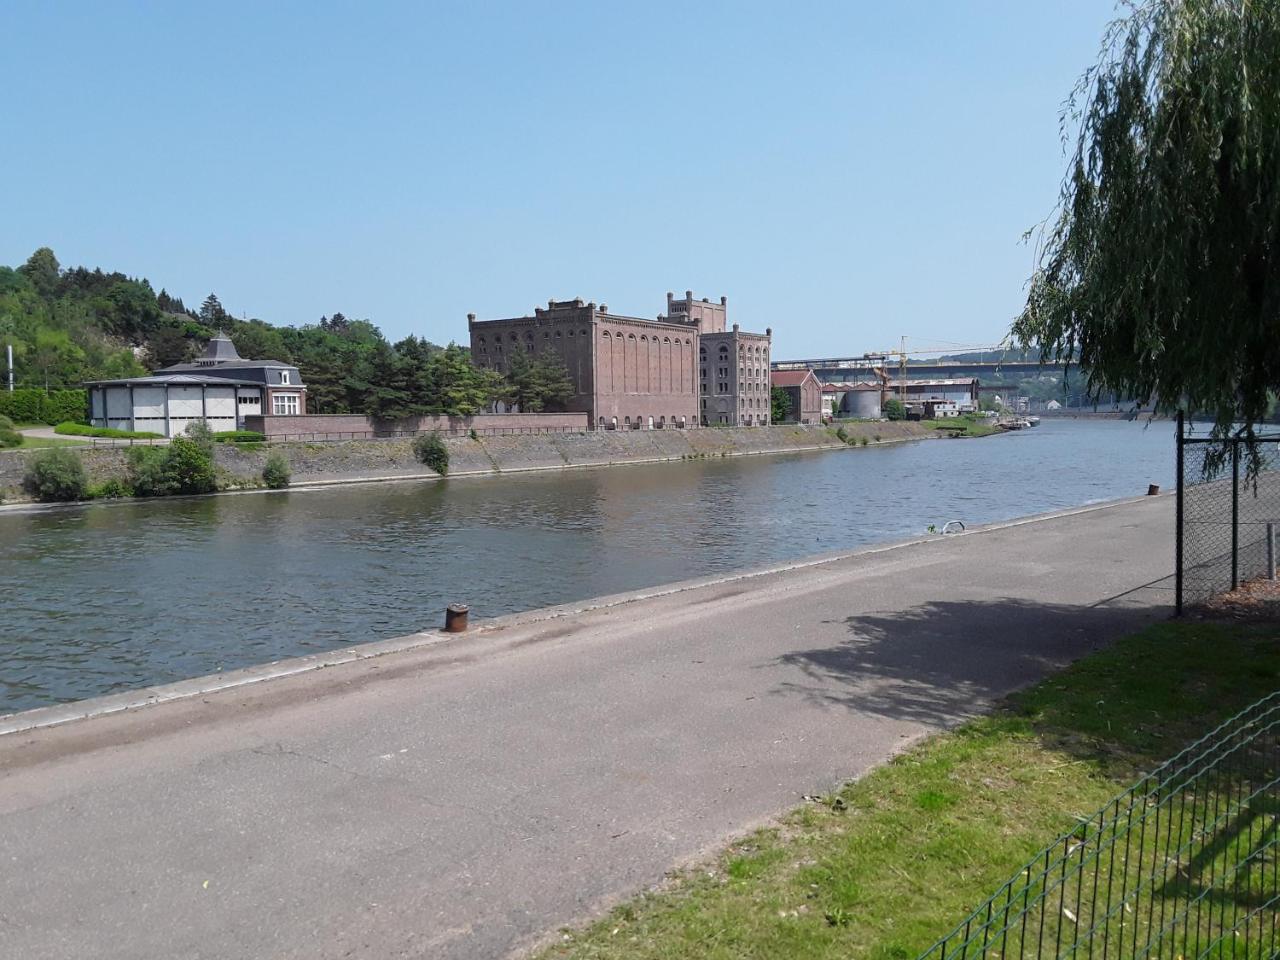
(892, 862)
(81, 430)
(238, 436)
(965, 426)
(36, 443)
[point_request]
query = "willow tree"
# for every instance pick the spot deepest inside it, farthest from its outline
(1158, 273)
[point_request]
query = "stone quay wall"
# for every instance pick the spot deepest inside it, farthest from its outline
(354, 426)
(354, 460)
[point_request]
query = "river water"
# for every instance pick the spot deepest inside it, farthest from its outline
(107, 597)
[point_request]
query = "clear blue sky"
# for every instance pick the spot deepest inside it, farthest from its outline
(844, 172)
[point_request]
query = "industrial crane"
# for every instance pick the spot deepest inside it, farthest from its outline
(901, 354)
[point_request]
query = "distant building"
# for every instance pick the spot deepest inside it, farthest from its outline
(627, 372)
(218, 387)
(941, 409)
(805, 393)
(682, 370)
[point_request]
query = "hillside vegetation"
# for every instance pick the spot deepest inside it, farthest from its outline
(69, 326)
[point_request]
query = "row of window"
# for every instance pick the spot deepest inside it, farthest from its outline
(641, 423)
(482, 342)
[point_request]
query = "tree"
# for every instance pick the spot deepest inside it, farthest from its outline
(1159, 270)
(211, 313)
(43, 270)
(894, 409)
(779, 405)
(538, 383)
(167, 347)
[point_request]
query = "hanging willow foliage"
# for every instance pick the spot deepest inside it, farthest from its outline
(1158, 272)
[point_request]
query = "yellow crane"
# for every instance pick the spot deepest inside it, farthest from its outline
(901, 353)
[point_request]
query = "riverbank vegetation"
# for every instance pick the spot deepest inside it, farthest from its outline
(882, 867)
(964, 426)
(82, 430)
(67, 326)
(432, 452)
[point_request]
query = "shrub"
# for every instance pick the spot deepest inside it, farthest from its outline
(9, 437)
(35, 406)
(56, 474)
(843, 434)
(70, 429)
(147, 471)
(863, 441)
(188, 464)
(276, 472)
(185, 466)
(110, 489)
(239, 436)
(473, 434)
(876, 438)
(430, 450)
(894, 409)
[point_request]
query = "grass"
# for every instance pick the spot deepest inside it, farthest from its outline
(81, 430)
(888, 864)
(35, 443)
(964, 426)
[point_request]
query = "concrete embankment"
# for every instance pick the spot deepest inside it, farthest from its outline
(466, 795)
(363, 460)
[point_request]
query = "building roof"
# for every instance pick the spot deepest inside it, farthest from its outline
(236, 364)
(790, 378)
(220, 348)
(176, 379)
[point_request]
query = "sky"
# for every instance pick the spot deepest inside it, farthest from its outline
(845, 173)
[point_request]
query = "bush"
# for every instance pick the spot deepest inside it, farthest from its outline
(110, 489)
(70, 429)
(276, 472)
(9, 437)
(894, 409)
(843, 434)
(147, 472)
(56, 474)
(36, 406)
(863, 441)
(185, 466)
(239, 436)
(430, 450)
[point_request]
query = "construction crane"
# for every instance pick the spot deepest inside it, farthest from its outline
(902, 355)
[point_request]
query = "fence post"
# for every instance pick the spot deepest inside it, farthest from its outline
(1235, 513)
(1177, 538)
(1271, 550)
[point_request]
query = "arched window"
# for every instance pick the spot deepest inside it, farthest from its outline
(479, 339)
(651, 423)
(625, 420)
(605, 334)
(614, 423)
(602, 418)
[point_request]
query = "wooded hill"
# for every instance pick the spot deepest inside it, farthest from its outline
(69, 326)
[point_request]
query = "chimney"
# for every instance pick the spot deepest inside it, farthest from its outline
(471, 319)
(724, 301)
(688, 295)
(604, 308)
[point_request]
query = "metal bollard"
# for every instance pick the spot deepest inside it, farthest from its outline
(1271, 551)
(1153, 489)
(455, 618)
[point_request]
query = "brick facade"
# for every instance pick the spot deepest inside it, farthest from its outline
(354, 426)
(733, 370)
(626, 372)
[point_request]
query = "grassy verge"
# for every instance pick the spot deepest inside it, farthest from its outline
(964, 426)
(35, 443)
(82, 430)
(895, 860)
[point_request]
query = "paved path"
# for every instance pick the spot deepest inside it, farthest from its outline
(466, 798)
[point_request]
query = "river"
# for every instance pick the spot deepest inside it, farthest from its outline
(112, 596)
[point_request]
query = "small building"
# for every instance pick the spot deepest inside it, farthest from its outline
(219, 388)
(941, 409)
(805, 392)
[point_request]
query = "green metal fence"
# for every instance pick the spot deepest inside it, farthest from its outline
(1182, 865)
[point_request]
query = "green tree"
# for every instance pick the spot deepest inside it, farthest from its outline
(1160, 269)
(779, 405)
(167, 347)
(894, 409)
(538, 383)
(211, 313)
(43, 271)
(459, 387)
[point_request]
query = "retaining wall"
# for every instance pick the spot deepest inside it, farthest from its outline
(371, 459)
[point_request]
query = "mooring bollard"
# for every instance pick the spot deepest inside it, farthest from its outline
(455, 618)
(1153, 489)
(1271, 551)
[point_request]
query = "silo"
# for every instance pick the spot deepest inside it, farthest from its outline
(863, 404)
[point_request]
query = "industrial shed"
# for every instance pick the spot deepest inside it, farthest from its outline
(166, 404)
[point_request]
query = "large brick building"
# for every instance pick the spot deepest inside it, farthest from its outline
(631, 373)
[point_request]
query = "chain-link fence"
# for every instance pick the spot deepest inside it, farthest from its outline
(1228, 514)
(1184, 864)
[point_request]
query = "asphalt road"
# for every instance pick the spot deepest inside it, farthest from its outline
(466, 798)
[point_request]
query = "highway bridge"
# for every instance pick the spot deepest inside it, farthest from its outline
(844, 369)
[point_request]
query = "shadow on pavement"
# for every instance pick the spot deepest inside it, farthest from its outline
(941, 661)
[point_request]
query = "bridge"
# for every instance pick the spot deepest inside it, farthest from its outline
(843, 369)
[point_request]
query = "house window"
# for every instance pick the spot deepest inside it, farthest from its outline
(284, 404)
(284, 376)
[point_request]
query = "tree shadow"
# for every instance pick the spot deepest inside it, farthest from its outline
(942, 661)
